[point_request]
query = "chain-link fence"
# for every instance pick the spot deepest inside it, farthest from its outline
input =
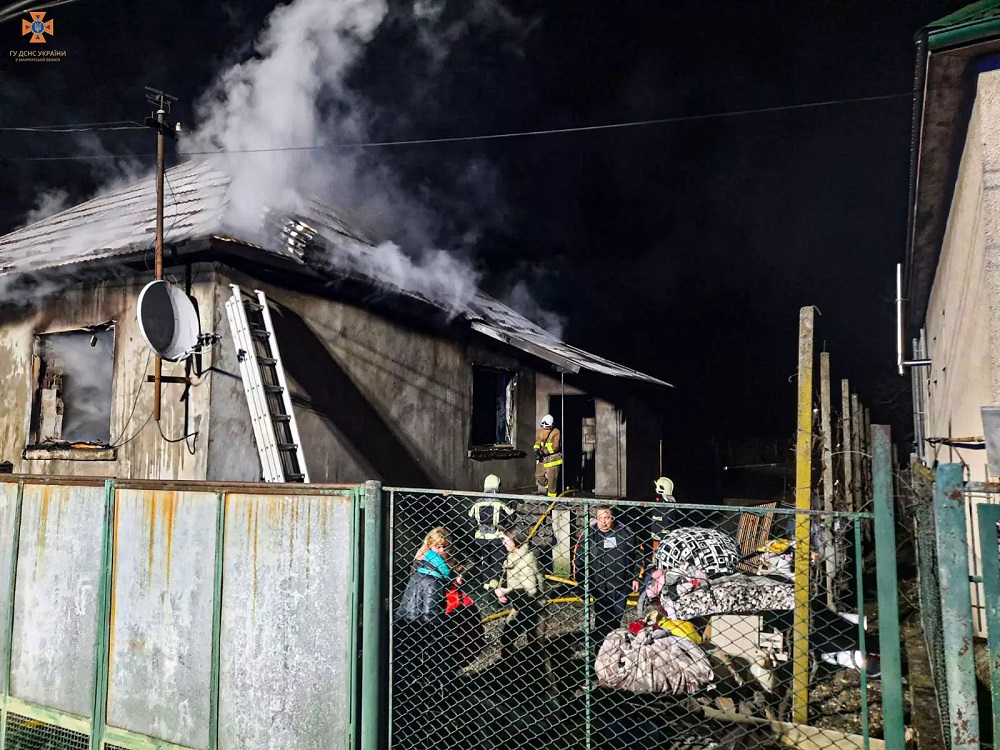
(931, 619)
(520, 622)
(960, 542)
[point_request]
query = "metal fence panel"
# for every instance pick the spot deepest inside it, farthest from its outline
(989, 518)
(699, 655)
(161, 614)
(287, 622)
(8, 517)
(55, 617)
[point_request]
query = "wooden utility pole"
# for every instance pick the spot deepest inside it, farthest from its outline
(846, 448)
(826, 423)
(803, 497)
(158, 123)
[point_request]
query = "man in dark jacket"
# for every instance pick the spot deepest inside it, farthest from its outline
(612, 569)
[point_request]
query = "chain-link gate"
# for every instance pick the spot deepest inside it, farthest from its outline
(519, 622)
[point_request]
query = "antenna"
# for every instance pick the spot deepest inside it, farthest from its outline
(159, 99)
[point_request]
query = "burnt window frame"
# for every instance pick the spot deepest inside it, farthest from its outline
(510, 388)
(38, 449)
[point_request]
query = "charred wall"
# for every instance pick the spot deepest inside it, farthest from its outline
(374, 399)
(136, 449)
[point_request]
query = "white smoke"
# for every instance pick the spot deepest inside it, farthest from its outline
(293, 94)
(520, 298)
(86, 362)
(276, 101)
(47, 203)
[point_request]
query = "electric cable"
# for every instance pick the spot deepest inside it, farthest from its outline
(138, 392)
(481, 137)
(177, 440)
(72, 128)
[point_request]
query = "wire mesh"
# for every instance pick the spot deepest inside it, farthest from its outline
(519, 622)
(25, 733)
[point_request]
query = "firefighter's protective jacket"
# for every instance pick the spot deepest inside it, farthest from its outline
(548, 447)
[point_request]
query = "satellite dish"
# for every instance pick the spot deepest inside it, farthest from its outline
(168, 320)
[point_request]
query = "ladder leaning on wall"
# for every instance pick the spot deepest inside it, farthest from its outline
(274, 428)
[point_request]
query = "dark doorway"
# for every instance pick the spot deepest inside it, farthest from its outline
(578, 465)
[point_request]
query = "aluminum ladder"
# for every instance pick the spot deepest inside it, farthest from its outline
(274, 428)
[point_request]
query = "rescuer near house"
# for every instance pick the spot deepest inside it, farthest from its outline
(662, 518)
(489, 517)
(548, 456)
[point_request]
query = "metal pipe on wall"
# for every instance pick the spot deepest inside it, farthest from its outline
(562, 429)
(900, 362)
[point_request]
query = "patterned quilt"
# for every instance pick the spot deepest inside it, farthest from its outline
(732, 595)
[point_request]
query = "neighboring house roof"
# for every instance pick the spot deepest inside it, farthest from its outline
(973, 22)
(944, 90)
(121, 224)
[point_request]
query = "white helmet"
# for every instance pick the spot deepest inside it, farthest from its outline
(664, 486)
(547, 421)
(492, 483)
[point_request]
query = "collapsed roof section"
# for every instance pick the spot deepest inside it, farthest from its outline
(120, 225)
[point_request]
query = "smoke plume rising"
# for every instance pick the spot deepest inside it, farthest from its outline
(295, 92)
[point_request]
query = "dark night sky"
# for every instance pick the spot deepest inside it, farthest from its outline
(684, 250)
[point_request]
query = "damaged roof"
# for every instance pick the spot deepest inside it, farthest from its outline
(121, 223)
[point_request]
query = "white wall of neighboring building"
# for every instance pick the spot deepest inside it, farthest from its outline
(963, 314)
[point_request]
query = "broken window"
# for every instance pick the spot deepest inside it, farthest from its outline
(493, 406)
(73, 380)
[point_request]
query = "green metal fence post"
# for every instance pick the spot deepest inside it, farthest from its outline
(372, 616)
(9, 625)
(989, 516)
(888, 601)
(105, 588)
(956, 607)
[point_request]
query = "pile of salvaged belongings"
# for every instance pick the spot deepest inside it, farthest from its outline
(652, 660)
(696, 576)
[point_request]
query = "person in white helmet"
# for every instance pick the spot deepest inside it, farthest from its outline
(548, 456)
(662, 519)
(489, 517)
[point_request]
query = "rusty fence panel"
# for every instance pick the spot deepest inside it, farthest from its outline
(515, 625)
(178, 615)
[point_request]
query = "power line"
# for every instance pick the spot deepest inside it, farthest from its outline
(73, 128)
(70, 125)
(489, 136)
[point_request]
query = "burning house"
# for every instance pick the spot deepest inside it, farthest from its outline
(407, 383)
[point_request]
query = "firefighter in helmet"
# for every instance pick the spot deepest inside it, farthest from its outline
(548, 456)
(662, 518)
(490, 516)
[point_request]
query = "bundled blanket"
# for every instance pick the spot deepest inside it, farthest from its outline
(732, 595)
(652, 661)
(697, 549)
